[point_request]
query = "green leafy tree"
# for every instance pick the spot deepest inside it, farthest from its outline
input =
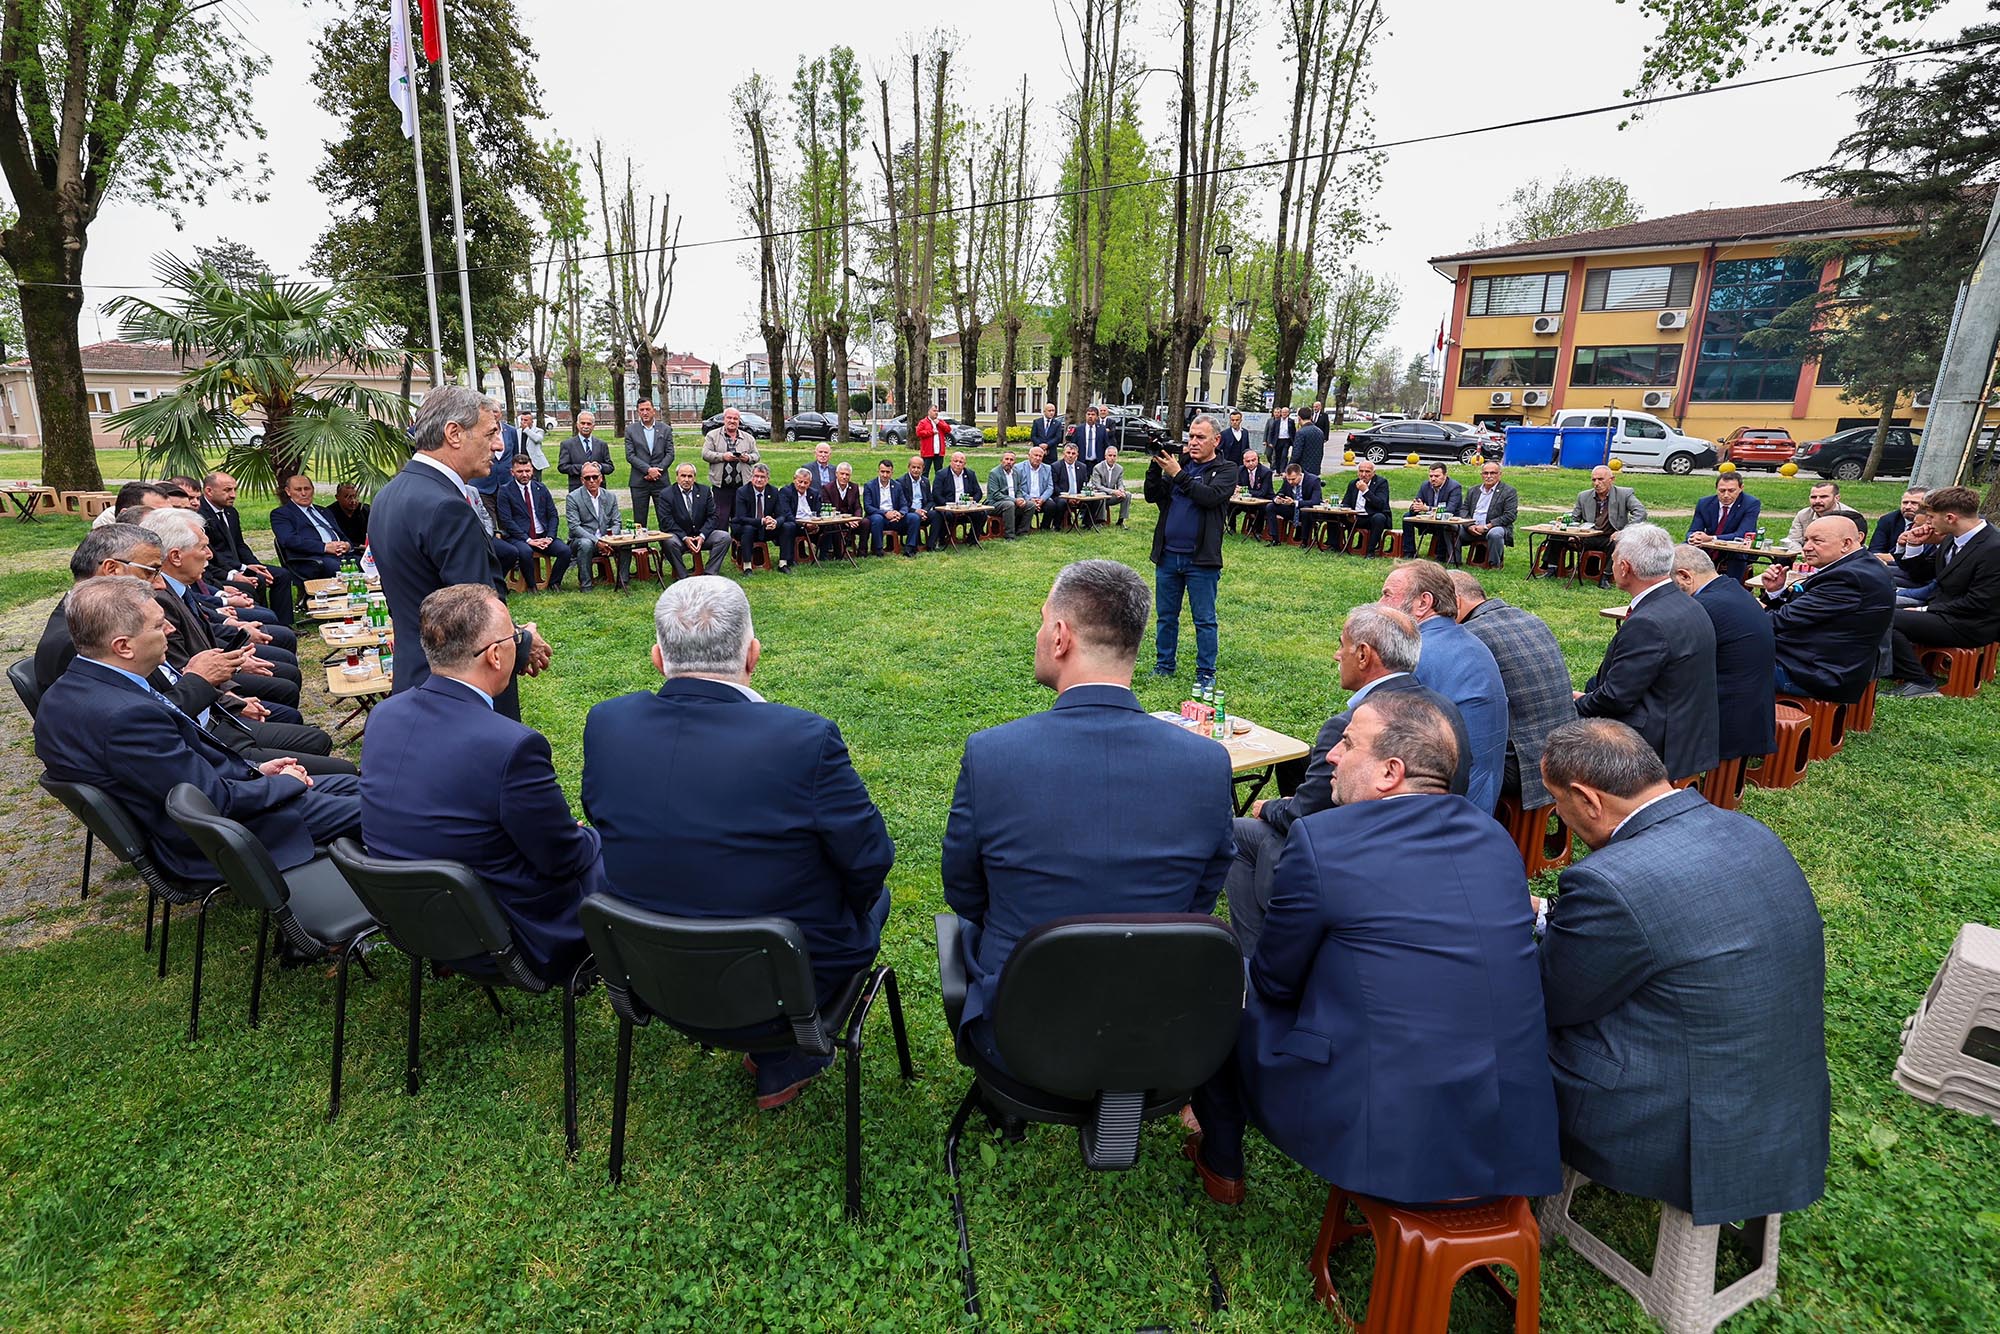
(236, 262)
(10, 304)
(713, 403)
(1703, 42)
(284, 354)
(145, 100)
(1569, 204)
(1363, 306)
(367, 177)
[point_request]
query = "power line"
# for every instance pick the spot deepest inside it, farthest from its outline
(1627, 105)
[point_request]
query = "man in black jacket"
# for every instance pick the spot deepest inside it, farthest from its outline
(276, 588)
(1963, 610)
(1829, 625)
(1193, 498)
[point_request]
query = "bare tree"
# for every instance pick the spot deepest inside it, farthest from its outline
(1360, 312)
(844, 90)
(1018, 233)
(913, 206)
(616, 300)
(752, 101)
(1094, 73)
(1196, 187)
(648, 247)
(970, 239)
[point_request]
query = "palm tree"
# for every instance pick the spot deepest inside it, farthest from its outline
(285, 352)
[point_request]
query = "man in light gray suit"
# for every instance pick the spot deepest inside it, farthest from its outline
(649, 453)
(593, 513)
(1109, 478)
(1607, 510)
(1035, 490)
(1684, 976)
(582, 448)
(1002, 494)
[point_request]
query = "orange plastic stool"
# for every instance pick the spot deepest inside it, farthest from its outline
(1786, 765)
(1829, 723)
(1861, 713)
(1391, 544)
(1540, 834)
(1723, 785)
(1989, 657)
(1960, 668)
(1420, 1254)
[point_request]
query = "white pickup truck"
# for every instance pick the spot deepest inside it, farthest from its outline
(1643, 440)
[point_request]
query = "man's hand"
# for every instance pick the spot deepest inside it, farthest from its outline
(338, 548)
(770, 523)
(253, 709)
(285, 767)
(1478, 530)
(1576, 694)
(1256, 808)
(215, 665)
(692, 543)
(652, 474)
(893, 516)
(263, 572)
(256, 636)
(539, 543)
(539, 651)
(1169, 465)
(242, 579)
(1419, 507)
(232, 598)
(1701, 539)
(1773, 578)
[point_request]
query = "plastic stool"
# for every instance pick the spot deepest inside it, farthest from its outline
(1540, 835)
(1723, 785)
(1959, 667)
(1680, 1293)
(1829, 723)
(1420, 1254)
(1861, 713)
(1989, 657)
(1786, 765)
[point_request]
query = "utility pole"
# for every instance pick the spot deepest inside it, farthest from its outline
(1958, 401)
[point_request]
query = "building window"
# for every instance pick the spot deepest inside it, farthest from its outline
(1654, 287)
(139, 395)
(1518, 294)
(938, 397)
(1748, 295)
(1038, 357)
(100, 402)
(943, 362)
(1504, 367)
(1020, 399)
(1617, 366)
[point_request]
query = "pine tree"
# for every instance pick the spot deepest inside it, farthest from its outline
(712, 405)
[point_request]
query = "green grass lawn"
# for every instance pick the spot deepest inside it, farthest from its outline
(152, 1183)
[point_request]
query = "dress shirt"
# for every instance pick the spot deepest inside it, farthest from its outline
(1362, 693)
(1485, 500)
(456, 480)
(1628, 819)
(528, 500)
(320, 525)
(133, 677)
(1958, 543)
(1645, 593)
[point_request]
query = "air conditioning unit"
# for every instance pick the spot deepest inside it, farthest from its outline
(1923, 398)
(1501, 399)
(1657, 398)
(1671, 319)
(1535, 398)
(1548, 324)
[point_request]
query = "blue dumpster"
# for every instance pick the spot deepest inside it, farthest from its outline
(1585, 446)
(1528, 446)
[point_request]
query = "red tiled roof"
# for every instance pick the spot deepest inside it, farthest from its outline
(159, 359)
(1753, 222)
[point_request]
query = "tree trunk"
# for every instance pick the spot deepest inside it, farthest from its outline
(409, 367)
(1082, 337)
(1322, 378)
(505, 365)
(1010, 341)
(616, 369)
(822, 388)
(1205, 361)
(645, 377)
(774, 349)
(49, 316)
(1054, 390)
(968, 370)
(843, 391)
(1291, 324)
(1882, 421)
(573, 368)
(793, 377)
(1240, 348)
(540, 368)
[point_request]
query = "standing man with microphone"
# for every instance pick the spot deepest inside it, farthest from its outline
(1193, 498)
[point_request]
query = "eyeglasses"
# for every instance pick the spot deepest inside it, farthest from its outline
(150, 571)
(513, 633)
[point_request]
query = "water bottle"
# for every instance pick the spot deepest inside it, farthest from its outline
(1221, 732)
(388, 661)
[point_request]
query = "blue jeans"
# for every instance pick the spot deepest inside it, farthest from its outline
(1177, 574)
(1783, 680)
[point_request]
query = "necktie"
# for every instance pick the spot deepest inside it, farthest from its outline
(534, 525)
(326, 532)
(1600, 511)
(1722, 521)
(1949, 552)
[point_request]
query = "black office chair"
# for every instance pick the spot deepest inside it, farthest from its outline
(313, 906)
(21, 676)
(740, 984)
(1104, 1023)
(108, 822)
(442, 911)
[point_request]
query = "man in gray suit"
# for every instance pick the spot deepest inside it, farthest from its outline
(649, 453)
(1379, 648)
(1001, 494)
(1494, 507)
(1532, 670)
(1109, 478)
(582, 448)
(593, 514)
(1608, 510)
(1683, 972)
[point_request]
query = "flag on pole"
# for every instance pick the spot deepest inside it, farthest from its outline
(399, 66)
(433, 30)
(1440, 338)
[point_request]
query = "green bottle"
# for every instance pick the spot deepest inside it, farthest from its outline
(1221, 732)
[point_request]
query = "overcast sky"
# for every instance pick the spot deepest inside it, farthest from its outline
(1444, 65)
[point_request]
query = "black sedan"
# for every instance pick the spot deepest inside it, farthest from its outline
(1135, 431)
(824, 426)
(896, 431)
(1427, 440)
(756, 425)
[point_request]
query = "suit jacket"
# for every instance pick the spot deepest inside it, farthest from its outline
(1010, 865)
(1271, 430)
(1394, 1043)
(513, 514)
(1309, 452)
(849, 501)
(591, 518)
(1621, 507)
(1235, 440)
(55, 651)
(1375, 501)
(933, 437)
(639, 458)
(1829, 628)
(353, 528)
(746, 503)
(1661, 681)
(1743, 516)
(1501, 512)
(1050, 431)
(576, 451)
(1042, 474)
(1745, 655)
(1311, 489)
(689, 514)
(1258, 479)
(1315, 791)
(1000, 484)
(1536, 680)
(913, 493)
(1108, 477)
(793, 506)
(1967, 597)
(305, 550)
(225, 536)
(822, 475)
(425, 536)
(1445, 501)
(947, 488)
(780, 823)
(95, 726)
(513, 442)
(1090, 442)
(879, 495)
(1887, 529)
(1457, 665)
(192, 633)
(497, 475)
(444, 776)
(1069, 479)
(1660, 944)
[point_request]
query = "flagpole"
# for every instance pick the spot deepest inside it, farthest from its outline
(457, 205)
(423, 204)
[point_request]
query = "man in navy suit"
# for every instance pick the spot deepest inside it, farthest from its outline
(1393, 1040)
(1048, 430)
(777, 822)
(1897, 546)
(445, 776)
(915, 499)
(878, 502)
(1090, 440)
(1310, 450)
(688, 510)
(1279, 432)
(308, 538)
(1457, 664)
(756, 517)
(426, 534)
(1746, 719)
(1729, 515)
(1829, 625)
(1235, 439)
(1658, 672)
(528, 525)
(103, 724)
(1299, 490)
(797, 503)
(1438, 497)
(1011, 864)
(1682, 923)
(1257, 481)
(1369, 494)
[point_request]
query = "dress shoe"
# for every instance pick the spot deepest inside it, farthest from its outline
(1221, 1189)
(1916, 690)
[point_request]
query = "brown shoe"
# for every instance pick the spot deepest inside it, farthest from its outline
(1221, 1189)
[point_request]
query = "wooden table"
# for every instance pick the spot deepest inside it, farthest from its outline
(362, 691)
(845, 527)
(328, 585)
(1240, 505)
(1253, 755)
(1333, 514)
(31, 502)
(649, 557)
(337, 610)
(1441, 526)
(970, 512)
(1617, 614)
(1773, 553)
(1567, 534)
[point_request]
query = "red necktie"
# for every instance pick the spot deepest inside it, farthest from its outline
(1723, 522)
(534, 528)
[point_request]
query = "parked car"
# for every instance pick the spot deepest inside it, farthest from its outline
(1392, 416)
(1430, 440)
(756, 425)
(1844, 454)
(1131, 430)
(1757, 447)
(1487, 437)
(896, 431)
(823, 426)
(1640, 438)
